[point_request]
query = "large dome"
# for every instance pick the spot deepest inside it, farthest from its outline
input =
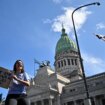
(65, 43)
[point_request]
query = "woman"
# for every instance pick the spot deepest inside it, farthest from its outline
(17, 90)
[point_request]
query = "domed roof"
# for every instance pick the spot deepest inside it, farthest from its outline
(65, 43)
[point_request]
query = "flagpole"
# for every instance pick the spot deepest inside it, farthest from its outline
(88, 101)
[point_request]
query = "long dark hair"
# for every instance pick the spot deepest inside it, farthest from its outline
(14, 67)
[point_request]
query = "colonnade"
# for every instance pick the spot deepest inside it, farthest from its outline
(43, 102)
(97, 100)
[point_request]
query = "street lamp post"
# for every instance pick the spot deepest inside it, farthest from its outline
(88, 102)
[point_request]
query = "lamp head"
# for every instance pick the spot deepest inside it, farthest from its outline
(97, 3)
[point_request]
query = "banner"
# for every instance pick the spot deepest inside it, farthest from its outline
(5, 77)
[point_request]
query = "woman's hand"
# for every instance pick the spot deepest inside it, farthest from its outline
(14, 77)
(27, 83)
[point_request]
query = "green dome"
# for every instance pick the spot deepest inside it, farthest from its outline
(65, 43)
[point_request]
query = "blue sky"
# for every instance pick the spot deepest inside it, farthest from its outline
(30, 29)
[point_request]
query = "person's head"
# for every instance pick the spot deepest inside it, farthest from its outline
(18, 66)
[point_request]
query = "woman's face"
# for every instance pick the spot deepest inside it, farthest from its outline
(19, 66)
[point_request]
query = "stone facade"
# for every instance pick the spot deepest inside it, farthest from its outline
(74, 93)
(50, 88)
(46, 87)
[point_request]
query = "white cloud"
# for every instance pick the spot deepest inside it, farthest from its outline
(80, 17)
(57, 1)
(93, 64)
(47, 21)
(100, 26)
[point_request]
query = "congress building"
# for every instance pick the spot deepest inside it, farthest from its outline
(65, 84)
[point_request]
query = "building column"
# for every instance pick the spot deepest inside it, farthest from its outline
(65, 103)
(50, 101)
(74, 102)
(42, 102)
(35, 103)
(95, 100)
(58, 100)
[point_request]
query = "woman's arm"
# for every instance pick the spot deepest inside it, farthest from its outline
(27, 83)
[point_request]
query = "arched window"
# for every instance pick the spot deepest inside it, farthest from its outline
(75, 61)
(65, 62)
(72, 61)
(68, 60)
(62, 63)
(58, 64)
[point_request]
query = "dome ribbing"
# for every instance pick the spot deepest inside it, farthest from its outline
(65, 43)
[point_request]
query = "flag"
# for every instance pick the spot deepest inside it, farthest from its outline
(102, 37)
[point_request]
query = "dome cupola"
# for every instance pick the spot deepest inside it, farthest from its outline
(65, 43)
